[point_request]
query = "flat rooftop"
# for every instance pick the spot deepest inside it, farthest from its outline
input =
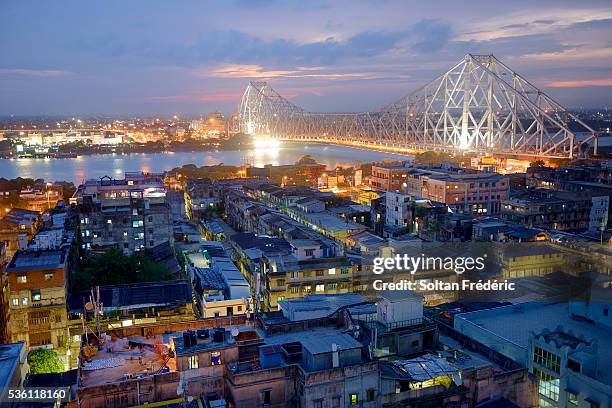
(9, 360)
(126, 357)
(38, 259)
(515, 324)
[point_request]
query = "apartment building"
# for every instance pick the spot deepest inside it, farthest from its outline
(131, 214)
(17, 228)
(200, 197)
(37, 293)
(390, 177)
(559, 210)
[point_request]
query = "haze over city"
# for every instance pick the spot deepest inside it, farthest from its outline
(152, 57)
(306, 204)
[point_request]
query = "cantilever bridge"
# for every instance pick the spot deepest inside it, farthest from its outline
(478, 105)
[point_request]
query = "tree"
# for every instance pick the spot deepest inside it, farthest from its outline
(306, 159)
(115, 268)
(43, 361)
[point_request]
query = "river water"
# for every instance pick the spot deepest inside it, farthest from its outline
(85, 167)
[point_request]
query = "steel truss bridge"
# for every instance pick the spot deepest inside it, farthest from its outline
(479, 105)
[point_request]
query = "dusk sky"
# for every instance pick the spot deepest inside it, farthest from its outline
(192, 57)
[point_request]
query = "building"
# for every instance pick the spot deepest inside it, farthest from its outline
(397, 215)
(13, 369)
(37, 295)
(565, 345)
(220, 288)
(532, 259)
(134, 304)
(389, 177)
(17, 228)
(291, 269)
(131, 214)
(558, 210)
(200, 198)
(464, 191)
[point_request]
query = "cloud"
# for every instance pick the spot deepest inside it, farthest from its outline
(431, 35)
(580, 83)
(257, 71)
(238, 47)
(230, 96)
(33, 72)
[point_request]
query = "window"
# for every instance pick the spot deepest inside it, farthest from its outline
(605, 312)
(546, 359)
(318, 403)
(572, 398)
(15, 301)
(35, 295)
(370, 394)
(24, 301)
(266, 397)
(280, 299)
(354, 399)
(215, 358)
(332, 271)
(309, 252)
(549, 385)
(320, 288)
(320, 273)
(109, 221)
(336, 402)
(240, 308)
(193, 362)
(22, 279)
(573, 365)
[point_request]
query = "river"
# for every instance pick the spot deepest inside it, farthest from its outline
(93, 166)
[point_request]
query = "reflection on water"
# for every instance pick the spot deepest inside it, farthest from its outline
(84, 167)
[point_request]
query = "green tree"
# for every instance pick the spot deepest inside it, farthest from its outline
(44, 361)
(115, 268)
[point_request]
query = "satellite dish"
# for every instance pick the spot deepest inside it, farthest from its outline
(235, 332)
(89, 306)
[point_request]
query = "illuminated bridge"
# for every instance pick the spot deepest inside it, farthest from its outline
(478, 105)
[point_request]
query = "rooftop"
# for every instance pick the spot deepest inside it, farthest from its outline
(10, 355)
(137, 295)
(516, 323)
(38, 259)
(121, 358)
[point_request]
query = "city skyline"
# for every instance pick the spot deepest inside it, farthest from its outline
(323, 56)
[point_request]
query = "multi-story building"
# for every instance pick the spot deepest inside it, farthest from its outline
(200, 197)
(397, 214)
(17, 228)
(463, 191)
(4, 296)
(132, 214)
(37, 283)
(559, 210)
(290, 269)
(389, 177)
(220, 288)
(565, 345)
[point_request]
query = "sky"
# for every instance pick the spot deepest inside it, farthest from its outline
(150, 57)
